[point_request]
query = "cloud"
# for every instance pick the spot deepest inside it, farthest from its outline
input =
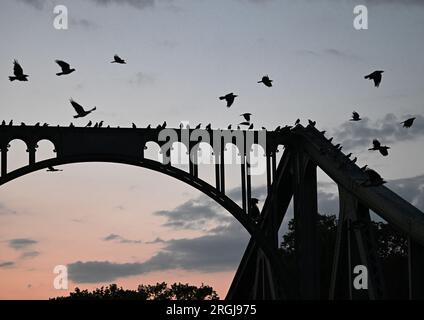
(83, 23)
(138, 4)
(37, 4)
(330, 52)
(119, 239)
(411, 189)
(4, 210)
(398, 2)
(157, 240)
(200, 213)
(222, 248)
(388, 129)
(210, 253)
(21, 243)
(141, 78)
(30, 254)
(7, 264)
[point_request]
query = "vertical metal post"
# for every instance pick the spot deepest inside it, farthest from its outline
(31, 151)
(243, 182)
(222, 166)
(268, 173)
(3, 161)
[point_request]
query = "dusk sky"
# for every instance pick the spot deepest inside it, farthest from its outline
(118, 224)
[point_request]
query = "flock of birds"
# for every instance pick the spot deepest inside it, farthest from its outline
(81, 112)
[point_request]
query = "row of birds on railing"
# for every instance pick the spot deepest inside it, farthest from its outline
(335, 152)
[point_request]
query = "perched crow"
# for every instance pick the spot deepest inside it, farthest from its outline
(312, 123)
(134, 126)
(80, 110)
(208, 127)
(297, 122)
(18, 72)
(66, 68)
(374, 179)
(355, 116)
(251, 126)
(52, 169)
(198, 126)
(408, 123)
(266, 81)
(89, 124)
(117, 59)
(254, 212)
(229, 98)
(376, 76)
(229, 127)
(246, 116)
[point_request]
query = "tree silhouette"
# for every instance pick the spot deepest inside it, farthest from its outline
(392, 251)
(159, 291)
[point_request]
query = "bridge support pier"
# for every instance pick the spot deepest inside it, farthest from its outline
(256, 276)
(305, 218)
(355, 245)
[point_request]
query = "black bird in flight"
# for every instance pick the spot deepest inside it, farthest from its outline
(52, 169)
(80, 110)
(266, 81)
(376, 76)
(66, 68)
(408, 123)
(117, 59)
(245, 123)
(246, 116)
(384, 150)
(229, 98)
(18, 72)
(355, 116)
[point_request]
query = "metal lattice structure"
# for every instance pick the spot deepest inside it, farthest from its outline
(262, 273)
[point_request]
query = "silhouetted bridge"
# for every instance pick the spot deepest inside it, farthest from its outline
(262, 273)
